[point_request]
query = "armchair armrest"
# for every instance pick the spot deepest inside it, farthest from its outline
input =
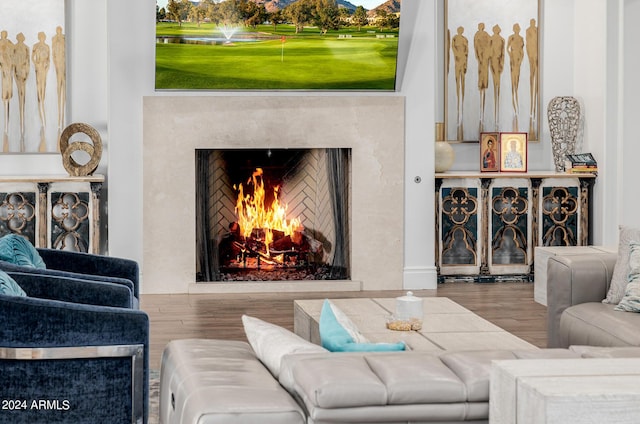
(74, 290)
(572, 280)
(95, 389)
(86, 263)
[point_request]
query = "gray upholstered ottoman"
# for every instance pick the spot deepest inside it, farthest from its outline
(221, 381)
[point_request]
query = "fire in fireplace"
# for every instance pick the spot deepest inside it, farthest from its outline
(272, 214)
(263, 237)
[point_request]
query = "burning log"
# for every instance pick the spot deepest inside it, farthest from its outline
(285, 249)
(281, 244)
(250, 252)
(264, 234)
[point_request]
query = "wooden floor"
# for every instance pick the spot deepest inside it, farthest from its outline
(508, 305)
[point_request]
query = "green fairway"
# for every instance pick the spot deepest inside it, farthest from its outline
(339, 60)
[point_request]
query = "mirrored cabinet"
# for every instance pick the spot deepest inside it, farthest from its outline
(488, 224)
(55, 212)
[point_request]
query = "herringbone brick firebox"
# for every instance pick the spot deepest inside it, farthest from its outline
(297, 203)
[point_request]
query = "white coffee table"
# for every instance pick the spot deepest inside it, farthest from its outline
(558, 391)
(446, 325)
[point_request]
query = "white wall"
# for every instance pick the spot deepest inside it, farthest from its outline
(86, 36)
(418, 84)
(131, 50)
(131, 76)
(556, 79)
(584, 54)
(111, 69)
(629, 141)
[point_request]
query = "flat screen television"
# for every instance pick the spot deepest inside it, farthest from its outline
(276, 45)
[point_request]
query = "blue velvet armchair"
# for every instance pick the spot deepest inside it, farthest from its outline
(85, 266)
(72, 351)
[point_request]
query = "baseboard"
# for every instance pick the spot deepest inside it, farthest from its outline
(275, 286)
(420, 278)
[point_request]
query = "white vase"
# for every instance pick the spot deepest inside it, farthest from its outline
(444, 156)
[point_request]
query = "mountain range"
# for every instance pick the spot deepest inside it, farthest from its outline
(391, 6)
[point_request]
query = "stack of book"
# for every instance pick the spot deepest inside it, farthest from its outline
(581, 163)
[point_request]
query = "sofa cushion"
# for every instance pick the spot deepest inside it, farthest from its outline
(291, 362)
(598, 324)
(336, 338)
(18, 250)
(619, 279)
(271, 342)
(474, 369)
(338, 381)
(415, 378)
(9, 287)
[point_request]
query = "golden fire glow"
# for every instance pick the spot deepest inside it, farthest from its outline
(252, 213)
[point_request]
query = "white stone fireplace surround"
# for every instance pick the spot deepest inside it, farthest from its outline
(174, 126)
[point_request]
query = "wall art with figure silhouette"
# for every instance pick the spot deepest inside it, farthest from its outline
(32, 75)
(492, 84)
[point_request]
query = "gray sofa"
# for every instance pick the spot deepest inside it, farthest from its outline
(223, 381)
(576, 286)
(397, 387)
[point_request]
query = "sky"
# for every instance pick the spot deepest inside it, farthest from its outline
(368, 4)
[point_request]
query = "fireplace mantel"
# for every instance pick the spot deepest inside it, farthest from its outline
(371, 126)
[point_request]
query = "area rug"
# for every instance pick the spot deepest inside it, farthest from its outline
(154, 396)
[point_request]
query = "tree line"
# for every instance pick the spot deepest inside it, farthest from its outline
(324, 14)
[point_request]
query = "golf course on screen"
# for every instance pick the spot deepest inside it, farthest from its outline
(208, 57)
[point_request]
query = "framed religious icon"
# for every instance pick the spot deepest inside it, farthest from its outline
(491, 78)
(513, 152)
(489, 152)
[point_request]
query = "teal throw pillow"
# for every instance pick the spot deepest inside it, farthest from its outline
(18, 250)
(336, 338)
(9, 287)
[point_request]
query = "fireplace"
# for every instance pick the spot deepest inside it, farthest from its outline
(272, 214)
(369, 128)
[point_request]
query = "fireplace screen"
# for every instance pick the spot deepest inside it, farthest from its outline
(272, 214)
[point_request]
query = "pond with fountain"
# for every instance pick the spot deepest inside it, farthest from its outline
(190, 56)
